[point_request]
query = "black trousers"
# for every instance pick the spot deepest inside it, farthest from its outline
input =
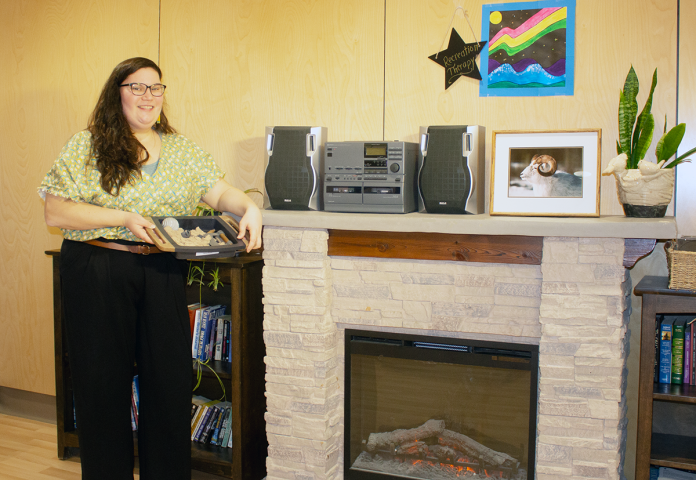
(122, 309)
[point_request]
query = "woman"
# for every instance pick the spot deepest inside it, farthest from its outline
(123, 304)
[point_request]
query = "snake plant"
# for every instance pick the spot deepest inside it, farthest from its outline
(636, 131)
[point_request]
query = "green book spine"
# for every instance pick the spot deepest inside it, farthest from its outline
(678, 354)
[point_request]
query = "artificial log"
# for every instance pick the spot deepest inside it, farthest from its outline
(430, 428)
(412, 448)
(443, 453)
(474, 449)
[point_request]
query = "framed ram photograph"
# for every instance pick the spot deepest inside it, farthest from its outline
(546, 173)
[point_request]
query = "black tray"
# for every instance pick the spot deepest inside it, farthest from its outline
(218, 222)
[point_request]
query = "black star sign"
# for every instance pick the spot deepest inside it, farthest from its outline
(459, 59)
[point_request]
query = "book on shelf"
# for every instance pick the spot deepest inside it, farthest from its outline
(665, 375)
(693, 354)
(654, 472)
(214, 423)
(134, 425)
(192, 314)
(219, 332)
(202, 415)
(224, 425)
(227, 435)
(658, 327)
(226, 338)
(678, 351)
(690, 333)
(229, 441)
(206, 336)
(209, 424)
(197, 402)
(687, 354)
(666, 473)
(196, 330)
(205, 418)
(222, 340)
(215, 431)
(200, 339)
(135, 403)
(219, 432)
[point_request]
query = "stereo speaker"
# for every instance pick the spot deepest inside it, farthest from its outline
(294, 157)
(451, 169)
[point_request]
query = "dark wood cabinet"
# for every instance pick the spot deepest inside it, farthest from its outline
(243, 377)
(658, 449)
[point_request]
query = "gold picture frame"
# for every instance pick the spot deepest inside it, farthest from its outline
(546, 173)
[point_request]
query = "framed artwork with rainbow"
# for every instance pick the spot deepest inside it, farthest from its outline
(530, 49)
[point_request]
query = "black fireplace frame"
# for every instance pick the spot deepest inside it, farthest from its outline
(438, 349)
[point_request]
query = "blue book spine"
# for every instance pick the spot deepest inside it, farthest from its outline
(210, 425)
(210, 346)
(208, 316)
(196, 332)
(658, 328)
(205, 316)
(666, 352)
(226, 342)
(203, 424)
(136, 393)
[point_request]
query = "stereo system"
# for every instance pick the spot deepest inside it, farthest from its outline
(371, 177)
(444, 174)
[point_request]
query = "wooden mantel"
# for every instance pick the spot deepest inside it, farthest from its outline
(472, 238)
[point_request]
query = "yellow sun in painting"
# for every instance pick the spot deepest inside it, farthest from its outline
(496, 17)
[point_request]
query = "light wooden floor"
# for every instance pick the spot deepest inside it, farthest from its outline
(28, 451)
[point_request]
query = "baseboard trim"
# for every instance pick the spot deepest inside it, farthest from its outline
(31, 405)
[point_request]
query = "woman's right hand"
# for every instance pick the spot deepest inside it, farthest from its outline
(64, 213)
(137, 224)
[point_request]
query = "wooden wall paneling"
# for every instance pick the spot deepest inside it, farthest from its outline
(55, 58)
(605, 50)
(686, 173)
(233, 68)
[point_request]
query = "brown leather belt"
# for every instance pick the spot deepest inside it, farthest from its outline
(139, 249)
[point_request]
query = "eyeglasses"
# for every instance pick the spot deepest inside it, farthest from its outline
(139, 89)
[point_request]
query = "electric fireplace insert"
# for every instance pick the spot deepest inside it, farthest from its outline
(438, 408)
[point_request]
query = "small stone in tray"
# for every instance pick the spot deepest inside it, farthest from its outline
(194, 238)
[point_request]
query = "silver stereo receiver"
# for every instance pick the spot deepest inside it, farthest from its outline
(370, 177)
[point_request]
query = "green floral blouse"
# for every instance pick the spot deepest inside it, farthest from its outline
(185, 173)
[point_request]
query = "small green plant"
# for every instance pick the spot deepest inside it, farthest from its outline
(215, 283)
(196, 274)
(636, 131)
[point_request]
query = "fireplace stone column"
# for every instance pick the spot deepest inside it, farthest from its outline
(584, 312)
(303, 417)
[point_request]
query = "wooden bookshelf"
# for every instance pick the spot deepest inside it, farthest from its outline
(243, 377)
(660, 449)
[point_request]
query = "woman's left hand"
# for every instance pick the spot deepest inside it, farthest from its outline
(251, 222)
(226, 198)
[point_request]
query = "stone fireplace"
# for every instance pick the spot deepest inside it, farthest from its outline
(575, 306)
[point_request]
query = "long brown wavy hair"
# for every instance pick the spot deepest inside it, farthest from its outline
(115, 148)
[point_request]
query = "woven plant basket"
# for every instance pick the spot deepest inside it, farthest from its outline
(681, 262)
